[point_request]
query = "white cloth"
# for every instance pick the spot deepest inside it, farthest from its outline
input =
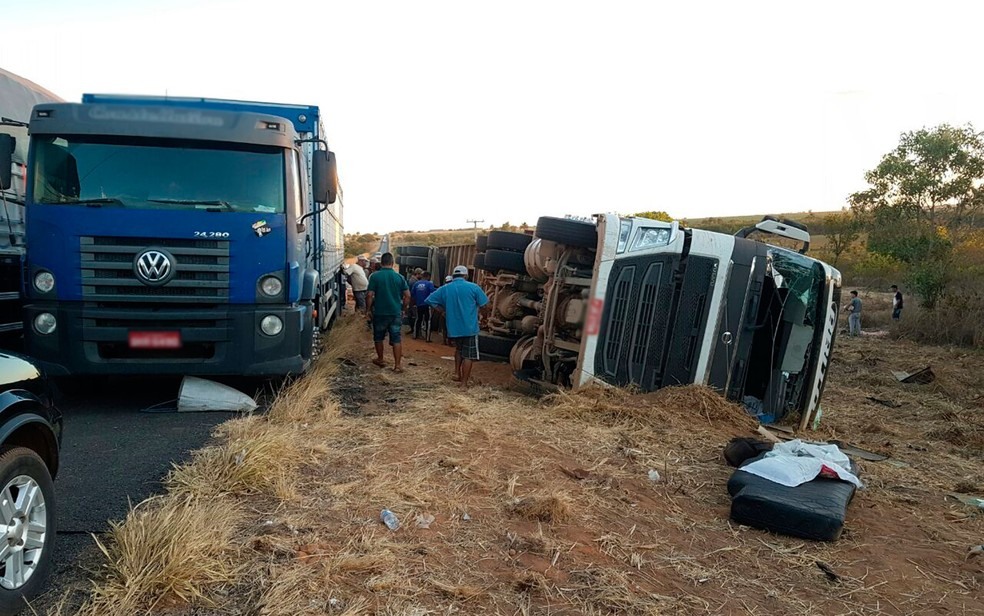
(794, 462)
(357, 276)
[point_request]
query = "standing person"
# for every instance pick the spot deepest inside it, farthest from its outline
(420, 291)
(374, 266)
(460, 302)
(388, 297)
(360, 284)
(854, 315)
(415, 276)
(896, 303)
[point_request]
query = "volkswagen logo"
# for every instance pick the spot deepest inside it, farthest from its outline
(153, 267)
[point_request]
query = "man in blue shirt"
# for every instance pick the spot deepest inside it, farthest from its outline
(420, 291)
(460, 302)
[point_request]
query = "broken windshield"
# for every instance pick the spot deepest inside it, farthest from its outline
(803, 277)
(158, 174)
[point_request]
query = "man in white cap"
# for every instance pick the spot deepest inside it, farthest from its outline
(359, 282)
(460, 302)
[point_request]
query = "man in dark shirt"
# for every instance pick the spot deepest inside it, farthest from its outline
(419, 292)
(386, 300)
(853, 309)
(896, 303)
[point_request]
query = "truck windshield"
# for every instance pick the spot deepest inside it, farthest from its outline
(158, 174)
(803, 277)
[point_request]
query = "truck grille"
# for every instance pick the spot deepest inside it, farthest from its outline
(654, 321)
(691, 319)
(637, 308)
(201, 270)
(616, 322)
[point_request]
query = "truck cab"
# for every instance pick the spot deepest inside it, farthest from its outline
(637, 302)
(179, 236)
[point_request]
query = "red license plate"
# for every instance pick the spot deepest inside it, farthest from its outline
(155, 340)
(592, 324)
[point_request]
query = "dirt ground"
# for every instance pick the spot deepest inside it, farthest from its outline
(512, 504)
(546, 507)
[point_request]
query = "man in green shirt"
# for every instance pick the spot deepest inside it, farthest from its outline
(387, 298)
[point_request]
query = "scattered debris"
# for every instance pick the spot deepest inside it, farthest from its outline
(576, 473)
(196, 395)
(828, 571)
(967, 499)
(653, 475)
(974, 551)
(424, 520)
(389, 519)
(920, 377)
(892, 404)
(466, 517)
(898, 463)
(857, 452)
(767, 434)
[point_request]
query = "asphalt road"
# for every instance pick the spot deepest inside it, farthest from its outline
(113, 454)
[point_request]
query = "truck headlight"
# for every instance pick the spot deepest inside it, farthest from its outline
(45, 323)
(271, 325)
(44, 281)
(271, 286)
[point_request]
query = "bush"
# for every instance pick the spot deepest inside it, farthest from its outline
(958, 319)
(874, 270)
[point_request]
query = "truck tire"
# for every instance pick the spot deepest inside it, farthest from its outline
(415, 262)
(498, 346)
(565, 231)
(414, 251)
(399, 260)
(496, 260)
(482, 243)
(507, 240)
(479, 262)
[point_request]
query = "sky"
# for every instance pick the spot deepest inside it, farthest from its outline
(442, 112)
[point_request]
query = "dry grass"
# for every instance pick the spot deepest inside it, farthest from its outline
(550, 508)
(170, 550)
(545, 506)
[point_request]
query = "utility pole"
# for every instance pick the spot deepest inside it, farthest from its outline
(475, 222)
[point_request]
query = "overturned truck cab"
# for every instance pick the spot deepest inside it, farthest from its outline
(638, 302)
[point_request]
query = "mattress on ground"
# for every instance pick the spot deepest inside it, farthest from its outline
(814, 510)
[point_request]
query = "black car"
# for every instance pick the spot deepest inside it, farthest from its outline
(30, 436)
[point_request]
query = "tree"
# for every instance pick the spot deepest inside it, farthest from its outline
(655, 215)
(925, 196)
(842, 230)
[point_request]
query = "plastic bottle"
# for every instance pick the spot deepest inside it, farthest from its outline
(389, 519)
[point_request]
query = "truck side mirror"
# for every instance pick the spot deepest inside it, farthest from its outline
(7, 144)
(324, 176)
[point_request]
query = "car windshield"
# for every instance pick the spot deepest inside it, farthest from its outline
(158, 174)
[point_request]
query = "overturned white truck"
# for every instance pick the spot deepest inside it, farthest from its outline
(644, 303)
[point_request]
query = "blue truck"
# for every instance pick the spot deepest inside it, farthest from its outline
(179, 236)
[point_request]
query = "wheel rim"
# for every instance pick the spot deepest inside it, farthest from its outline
(23, 529)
